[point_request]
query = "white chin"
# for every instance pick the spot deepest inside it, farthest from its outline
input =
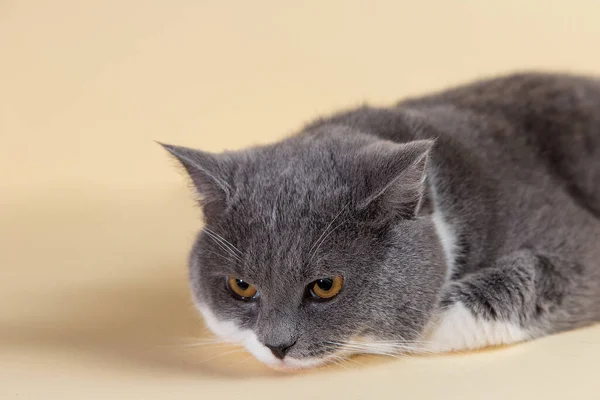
(292, 364)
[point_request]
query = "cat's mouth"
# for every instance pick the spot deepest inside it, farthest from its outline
(230, 332)
(288, 363)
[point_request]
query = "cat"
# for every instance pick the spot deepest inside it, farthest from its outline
(459, 220)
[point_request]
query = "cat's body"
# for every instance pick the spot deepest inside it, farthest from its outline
(516, 167)
(480, 227)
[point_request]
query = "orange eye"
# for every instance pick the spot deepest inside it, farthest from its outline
(326, 288)
(241, 289)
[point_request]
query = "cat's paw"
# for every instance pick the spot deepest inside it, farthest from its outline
(458, 328)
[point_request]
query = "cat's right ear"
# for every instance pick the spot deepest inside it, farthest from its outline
(394, 176)
(208, 172)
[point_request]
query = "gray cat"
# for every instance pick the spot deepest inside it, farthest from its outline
(464, 219)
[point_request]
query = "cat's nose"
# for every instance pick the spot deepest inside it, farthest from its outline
(280, 351)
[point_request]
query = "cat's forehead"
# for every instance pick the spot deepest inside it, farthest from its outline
(286, 167)
(292, 179)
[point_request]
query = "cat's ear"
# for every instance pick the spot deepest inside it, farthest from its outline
(395, 178)
(208, 172)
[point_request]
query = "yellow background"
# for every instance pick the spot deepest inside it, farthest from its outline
(96, 220)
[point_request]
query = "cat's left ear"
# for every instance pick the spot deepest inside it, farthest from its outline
(395, 178)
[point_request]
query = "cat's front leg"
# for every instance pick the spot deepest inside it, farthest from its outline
(511, 301)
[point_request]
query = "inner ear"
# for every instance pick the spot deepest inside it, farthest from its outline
(394, 176)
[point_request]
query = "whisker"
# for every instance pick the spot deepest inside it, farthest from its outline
(403, 342)
(232, 260)
(201, 339)
(211, 345)
(222, 245)
(326, 236)
(420, 346)
(221, 355)
(387, 348)
(237, 364)
(394, 349)
(228, 243)
(382, 345)
(191, 342)
(350, 359)
(339, 361)
(318, 241)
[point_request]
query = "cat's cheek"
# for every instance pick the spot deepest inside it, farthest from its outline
(229, 331)
(260, 351)
(226, 330)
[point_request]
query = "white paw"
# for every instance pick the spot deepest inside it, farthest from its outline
(458, 329)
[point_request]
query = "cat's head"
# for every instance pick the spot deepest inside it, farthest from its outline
(312, 247)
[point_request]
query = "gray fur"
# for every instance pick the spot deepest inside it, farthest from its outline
(514, 164)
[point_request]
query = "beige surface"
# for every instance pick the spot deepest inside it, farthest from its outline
(95, 221)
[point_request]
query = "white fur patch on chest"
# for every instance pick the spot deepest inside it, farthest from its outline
(445, 233)
(448, 239)
(458, 329)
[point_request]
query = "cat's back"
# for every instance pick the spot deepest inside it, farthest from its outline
(520, 95)
(527, 122)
